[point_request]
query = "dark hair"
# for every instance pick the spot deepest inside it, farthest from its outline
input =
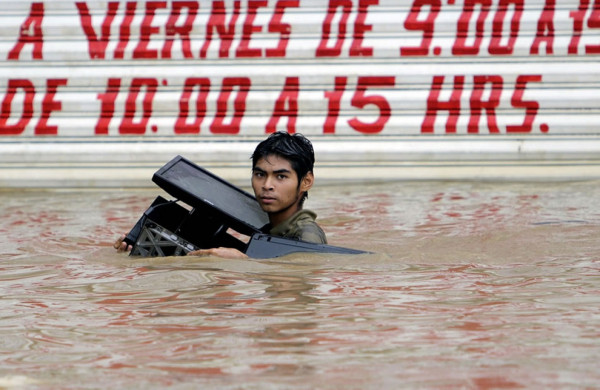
(295, 148)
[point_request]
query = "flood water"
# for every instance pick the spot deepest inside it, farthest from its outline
(472, 285)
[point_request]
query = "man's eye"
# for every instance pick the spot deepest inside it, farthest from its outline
(281, 177)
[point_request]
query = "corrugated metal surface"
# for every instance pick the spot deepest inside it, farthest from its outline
(98, 93)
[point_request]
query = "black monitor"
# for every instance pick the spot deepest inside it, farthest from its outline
(201, 189)
(264, 246)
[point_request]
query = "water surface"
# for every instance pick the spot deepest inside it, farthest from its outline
(472, 285)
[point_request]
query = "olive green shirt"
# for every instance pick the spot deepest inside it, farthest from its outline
(300, 226)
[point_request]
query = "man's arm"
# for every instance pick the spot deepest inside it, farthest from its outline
(228, 253)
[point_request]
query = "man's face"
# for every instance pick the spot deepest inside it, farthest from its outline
(275, 184)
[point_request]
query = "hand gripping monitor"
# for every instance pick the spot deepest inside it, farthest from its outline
(212, 208)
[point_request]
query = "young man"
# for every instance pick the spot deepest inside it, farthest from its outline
(282, 174)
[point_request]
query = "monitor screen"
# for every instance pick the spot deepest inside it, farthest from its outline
(200, 188)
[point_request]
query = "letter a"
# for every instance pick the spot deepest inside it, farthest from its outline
(289, 95)
(545, 29)
(27, 36)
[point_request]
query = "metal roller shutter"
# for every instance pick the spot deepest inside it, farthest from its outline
(101, 93)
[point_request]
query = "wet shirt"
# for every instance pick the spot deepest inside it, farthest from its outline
(300, 226)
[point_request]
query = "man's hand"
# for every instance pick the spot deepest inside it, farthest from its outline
(121, 246)
(228, 253)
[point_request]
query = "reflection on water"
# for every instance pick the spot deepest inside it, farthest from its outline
(472, 286)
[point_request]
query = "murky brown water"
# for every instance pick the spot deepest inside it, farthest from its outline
(478, 286)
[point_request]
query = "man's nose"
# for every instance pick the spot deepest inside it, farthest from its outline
(268, 183)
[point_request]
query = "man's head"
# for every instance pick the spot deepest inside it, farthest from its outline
(295, 148)
(282, 174)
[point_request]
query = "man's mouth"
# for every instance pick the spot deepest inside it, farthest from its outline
(267, 199)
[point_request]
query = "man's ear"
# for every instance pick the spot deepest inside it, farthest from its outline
(307, 182)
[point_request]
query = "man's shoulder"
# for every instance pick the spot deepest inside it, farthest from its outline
(303, 226)
(304, 215)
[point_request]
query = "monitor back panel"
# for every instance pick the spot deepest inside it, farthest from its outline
(205, 191)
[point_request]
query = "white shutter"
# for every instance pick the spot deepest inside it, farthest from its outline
(101, 93)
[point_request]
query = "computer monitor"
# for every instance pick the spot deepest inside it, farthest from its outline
(203, 190)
